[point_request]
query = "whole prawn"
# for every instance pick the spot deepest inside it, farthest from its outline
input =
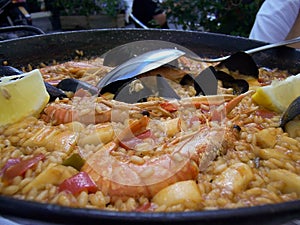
(183, 158)
(123, 179)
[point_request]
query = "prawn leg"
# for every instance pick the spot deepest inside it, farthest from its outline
(235, 101)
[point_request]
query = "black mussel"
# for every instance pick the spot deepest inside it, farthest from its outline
(205, 83)
(9, 71)
(136, 90)
(241, 62)
(164, 89)
(70, 84)
(132, 91)
(239, 86)
(115, 86)
(291, 112)
(54, 92)
(187, 79)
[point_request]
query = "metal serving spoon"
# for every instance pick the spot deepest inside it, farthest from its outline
(139, 57)
(127, 51)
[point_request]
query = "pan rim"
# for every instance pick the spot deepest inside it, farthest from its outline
(9, 205)
(56, 213)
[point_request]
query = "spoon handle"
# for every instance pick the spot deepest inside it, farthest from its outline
(250, 51)
(265, 47)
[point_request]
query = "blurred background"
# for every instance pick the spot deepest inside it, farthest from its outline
(233, 17)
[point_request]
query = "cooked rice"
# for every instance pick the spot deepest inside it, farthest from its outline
(215, 190)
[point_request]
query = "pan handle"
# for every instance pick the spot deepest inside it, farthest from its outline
(13, 32)
(32, 29)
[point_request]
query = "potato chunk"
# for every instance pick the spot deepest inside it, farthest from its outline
(269, 153)
(293, 128)
(235, 178)
(291, 180)
(102, 135)
(51, 175)
(183, 192)
(266, 138)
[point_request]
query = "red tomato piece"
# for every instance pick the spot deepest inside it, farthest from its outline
(132, 142)
(78, 183)
(265, 113)
(21, 167)
(9, 163)
(145, 134)
(169, 107)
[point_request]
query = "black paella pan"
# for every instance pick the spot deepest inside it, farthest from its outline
(63, 46)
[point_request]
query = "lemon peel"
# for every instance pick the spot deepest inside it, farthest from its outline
(21, 96)
(279, 94)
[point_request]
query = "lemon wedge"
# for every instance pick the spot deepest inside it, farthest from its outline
(21, 96)
(279, 95)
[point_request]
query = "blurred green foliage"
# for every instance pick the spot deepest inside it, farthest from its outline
(233, 17)
(78, 7)
(84, 7)
(112, 7)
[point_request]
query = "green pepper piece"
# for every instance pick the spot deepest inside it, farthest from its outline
(75, 160)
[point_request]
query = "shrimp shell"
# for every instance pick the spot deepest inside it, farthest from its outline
(123, 178)
(60, 113)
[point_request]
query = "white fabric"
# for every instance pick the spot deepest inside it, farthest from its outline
(128, 10)
(274, 20)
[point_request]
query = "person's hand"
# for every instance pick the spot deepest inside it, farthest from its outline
(160, 19)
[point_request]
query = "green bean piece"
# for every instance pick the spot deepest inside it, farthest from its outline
(75, 160)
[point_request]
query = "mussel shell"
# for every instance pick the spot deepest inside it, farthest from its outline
(152, 86)
(187, 79)
(163, 88)
(205, 83)
(54, 92)
(70, 84)
(115, 86)
(242, 62)
(9, 71)
(239, 86)
(124, 93)
(291, 112)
